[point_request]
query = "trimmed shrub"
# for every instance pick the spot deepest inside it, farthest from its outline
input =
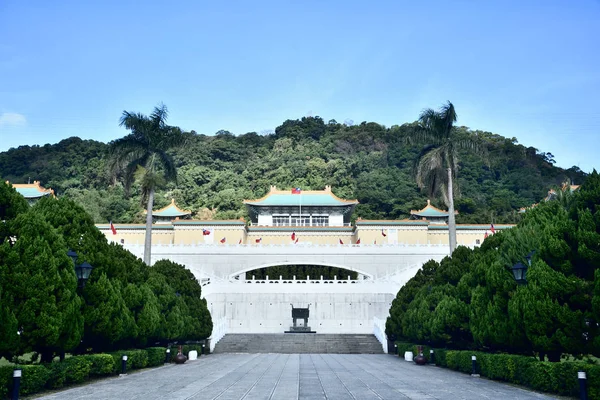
(102, 364)
(34, 378)
(6, 372)
(136, 359)
(58, 375)
(156, 356)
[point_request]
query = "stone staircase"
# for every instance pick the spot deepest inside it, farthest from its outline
(298, 343)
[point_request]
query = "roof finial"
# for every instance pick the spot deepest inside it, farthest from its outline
(428, 202)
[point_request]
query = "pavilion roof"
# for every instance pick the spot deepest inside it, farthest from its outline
(170, 211)
(32, 190)
(277, 197)
(430, 211)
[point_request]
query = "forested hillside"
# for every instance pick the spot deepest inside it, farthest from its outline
(369, 162)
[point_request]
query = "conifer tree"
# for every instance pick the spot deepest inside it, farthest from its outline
(39, 278)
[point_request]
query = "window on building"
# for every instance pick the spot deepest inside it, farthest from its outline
(298, 220)
(477, 241)
(321, 220)
(281, 220)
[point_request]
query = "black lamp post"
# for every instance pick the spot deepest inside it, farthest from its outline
(82, 271)
(519, 271)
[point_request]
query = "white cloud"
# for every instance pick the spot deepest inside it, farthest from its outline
(12, 119)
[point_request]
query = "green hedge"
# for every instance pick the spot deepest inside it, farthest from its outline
(156, 356)
(33, 380)
(558, 378)
(77, 369)
(136, 359)
(102, 364)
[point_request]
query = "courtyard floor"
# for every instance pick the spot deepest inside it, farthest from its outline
(296, 376)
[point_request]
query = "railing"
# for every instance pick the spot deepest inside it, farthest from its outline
(292, 245)
(301, 281)
(379, 332)
(219, 330)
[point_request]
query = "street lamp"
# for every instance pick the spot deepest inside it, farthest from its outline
(82, 271)
(519, 271)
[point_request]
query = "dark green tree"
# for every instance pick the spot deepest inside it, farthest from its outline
(39, 278)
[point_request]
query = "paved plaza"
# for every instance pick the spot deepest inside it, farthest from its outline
(297, 376)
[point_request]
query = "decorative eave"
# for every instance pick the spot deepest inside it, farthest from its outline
(134, 227)
(170, 211)
(401, 222)
(32, 190)
(431, 211)
(471, 227)
(307, 198)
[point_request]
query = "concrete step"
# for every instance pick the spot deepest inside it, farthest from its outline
(300, 343)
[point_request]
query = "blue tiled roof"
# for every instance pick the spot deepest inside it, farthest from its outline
(31, 193)
(297, 199)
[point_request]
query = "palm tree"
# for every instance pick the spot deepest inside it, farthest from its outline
(142, 156)
(437, 163)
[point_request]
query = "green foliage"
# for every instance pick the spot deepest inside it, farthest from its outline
(69, 371)
(39, 278)
(136, 359)
(366, 161)
(33, 380)
(470, 300)
(101, 364)
(156, 356)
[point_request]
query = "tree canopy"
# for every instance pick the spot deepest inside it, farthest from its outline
(366, 161)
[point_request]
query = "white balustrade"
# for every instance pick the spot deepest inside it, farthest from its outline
(379, 332)
(219, 330)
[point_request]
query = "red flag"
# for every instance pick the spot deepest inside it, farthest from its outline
(293, 235)
(383, 233)
(296, 190)
(341, 241)
(240, 242)
(486, 235)
(297, 240)
(112, 228)
(358, 241)
(258, 240)
(205, 232)
(492, 229)
(223, 240)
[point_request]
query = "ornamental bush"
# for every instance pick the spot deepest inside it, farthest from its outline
(102, 364)
(156, 356)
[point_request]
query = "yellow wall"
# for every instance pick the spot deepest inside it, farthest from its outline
(232, 234)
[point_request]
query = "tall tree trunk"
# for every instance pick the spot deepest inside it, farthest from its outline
(148, 239)
(451, 220)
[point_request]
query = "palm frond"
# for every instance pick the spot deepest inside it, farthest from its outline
(449, 117)
(159, 116)
(168, 165)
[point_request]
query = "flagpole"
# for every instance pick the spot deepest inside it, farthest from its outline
(300, 204)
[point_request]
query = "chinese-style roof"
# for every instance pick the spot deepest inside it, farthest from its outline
(277, 197)
(430, 211)
(32, 190)
(170, 211)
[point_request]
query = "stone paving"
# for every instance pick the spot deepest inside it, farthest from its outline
(297, 376)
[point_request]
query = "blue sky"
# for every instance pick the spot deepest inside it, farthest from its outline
(524, 69)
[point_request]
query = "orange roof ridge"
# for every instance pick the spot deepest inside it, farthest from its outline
(275, 191)
(170, 205)
(34, 185)
(431, 207)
